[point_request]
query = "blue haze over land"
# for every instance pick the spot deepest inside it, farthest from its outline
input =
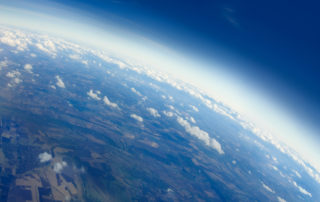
(258, 59)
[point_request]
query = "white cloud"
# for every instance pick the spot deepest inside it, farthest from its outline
(136, 117)
(274, 167)
(33, 55)
(58, 166)
(59, 82)
(301, 189)
(94, 95)
(13, 74)
(44, 157)
(28, 68)
(200, 134)
(234, 162)
(220, 110)
(281, 199)
(267, 188)
(109, 103)
(75, 56)
(53, 86)
(85, 62)
(135, 91)
(47, 46)
(168, 114)
(297, 174)
(3, 63)
(153, 112)
(15, 39)
(17, 80)
(195, 108)
(192, 119)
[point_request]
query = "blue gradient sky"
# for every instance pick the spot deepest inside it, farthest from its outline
(262, 58)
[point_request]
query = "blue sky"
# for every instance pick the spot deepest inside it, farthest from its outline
(264, 54)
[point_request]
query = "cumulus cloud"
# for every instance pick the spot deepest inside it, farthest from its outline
(15, 39)
(153, 112)
(168, 114)
(58, 166)
(136, 117)
(3, 63)
(109, 103)
(297, 173)
(195, 108)
(75, 56)
(28, 68)
(94, 95)
(200, 134)
(47, 46)
(15, 76)
(45, 157)
(301, 189)
(220, 110)
(135, 91)
(281, 199)
(192, 119)
(59, 82)
(267, 188)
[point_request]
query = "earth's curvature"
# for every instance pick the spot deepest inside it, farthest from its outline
(80, 125)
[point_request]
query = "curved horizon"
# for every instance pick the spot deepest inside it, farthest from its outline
(217, 76)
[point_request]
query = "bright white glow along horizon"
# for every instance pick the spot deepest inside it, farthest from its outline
(209, 76)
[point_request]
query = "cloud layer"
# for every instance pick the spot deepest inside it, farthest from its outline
(201, 135)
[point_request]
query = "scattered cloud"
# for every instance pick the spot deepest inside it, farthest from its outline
(192, 120)
(301, 189)
(45, 157)
(136, 117)
(168, 114)
(15, 76)
(274, 167)
(150, 143)
(194, 108)
(3, 63)
(28, 68)
(200, 134)
(135, 91)
(59, 82)
(153, 112)
(94, 95)
(281, 199)
(297, 173)
(47, 46)
(58, 166)
(234, 162)
(75, 56)
(267, 188)
(109, 103)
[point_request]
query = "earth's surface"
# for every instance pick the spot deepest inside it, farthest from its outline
(77, 124)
